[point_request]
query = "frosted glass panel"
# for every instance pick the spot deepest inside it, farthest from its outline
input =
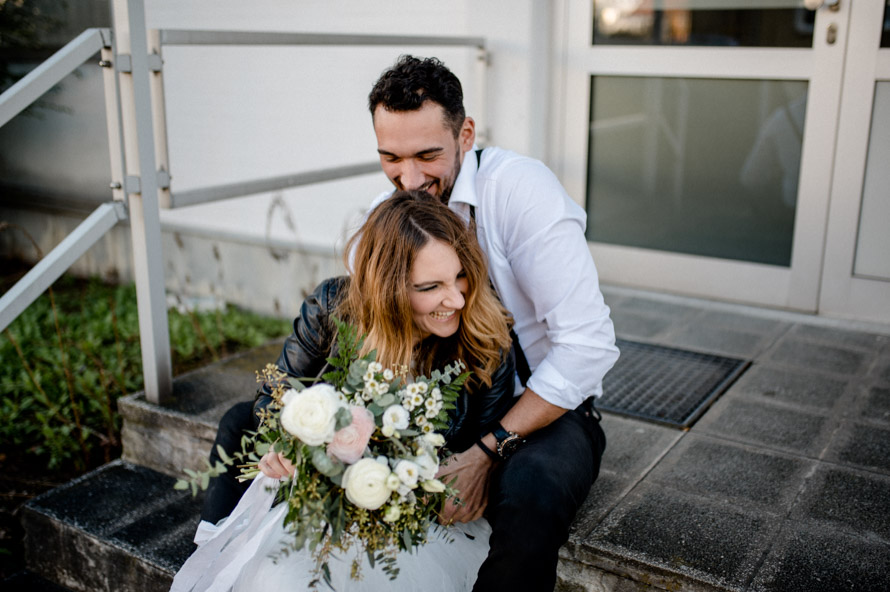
(699, 166)
(873, 245)
(744, 23)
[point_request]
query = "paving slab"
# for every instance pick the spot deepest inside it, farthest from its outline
(861, 445)
(714, 339)
(798, 387)
(634, 325)
(701, 543)
(633, 447)
(840, 337)
(768, 424)
(739, 474)
(822, 357)
(811, 559)
(857, 502)
(877, 405)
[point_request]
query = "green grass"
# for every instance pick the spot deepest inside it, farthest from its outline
(65, 361)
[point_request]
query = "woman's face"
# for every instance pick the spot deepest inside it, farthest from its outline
(437, 286)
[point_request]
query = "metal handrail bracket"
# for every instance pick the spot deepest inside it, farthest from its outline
(42, 78)
(192, 37)
(51, 267)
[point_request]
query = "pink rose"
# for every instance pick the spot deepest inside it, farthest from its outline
(349, 443)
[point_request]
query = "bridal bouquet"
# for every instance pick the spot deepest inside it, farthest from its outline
(366, 451)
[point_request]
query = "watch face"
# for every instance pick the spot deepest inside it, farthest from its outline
(509, 446)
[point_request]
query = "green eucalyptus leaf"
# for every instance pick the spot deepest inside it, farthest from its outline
(343, 418)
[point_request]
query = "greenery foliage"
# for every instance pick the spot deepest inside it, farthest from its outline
(74, 351)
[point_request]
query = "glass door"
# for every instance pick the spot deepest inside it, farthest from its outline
(856, 280)
(700, 136)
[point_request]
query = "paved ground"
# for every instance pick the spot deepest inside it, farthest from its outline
(784, 484)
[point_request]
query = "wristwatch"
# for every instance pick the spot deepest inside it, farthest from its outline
(508, 442)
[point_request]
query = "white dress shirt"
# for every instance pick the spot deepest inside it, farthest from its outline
(539, 262)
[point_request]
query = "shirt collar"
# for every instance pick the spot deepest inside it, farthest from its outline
(465, 185)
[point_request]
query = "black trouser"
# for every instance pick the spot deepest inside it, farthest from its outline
(533, 498)
(224, 491)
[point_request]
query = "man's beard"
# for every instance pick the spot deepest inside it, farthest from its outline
(445, 196)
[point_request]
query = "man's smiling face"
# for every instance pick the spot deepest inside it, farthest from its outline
(418, 151)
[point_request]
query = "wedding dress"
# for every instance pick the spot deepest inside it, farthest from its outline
(244, 554)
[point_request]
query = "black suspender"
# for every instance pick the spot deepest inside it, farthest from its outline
(522, 368)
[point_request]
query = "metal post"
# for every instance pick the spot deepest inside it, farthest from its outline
(113, 118)
(141, 188)
(483, 134)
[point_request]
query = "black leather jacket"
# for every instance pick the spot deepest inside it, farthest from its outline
(314, 339)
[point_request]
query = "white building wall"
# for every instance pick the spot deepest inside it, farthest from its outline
(242, 113)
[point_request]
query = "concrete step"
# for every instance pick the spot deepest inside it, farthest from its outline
(178, 434)
(26, 581)
(120, 528)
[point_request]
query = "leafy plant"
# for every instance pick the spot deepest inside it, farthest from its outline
(75, 350)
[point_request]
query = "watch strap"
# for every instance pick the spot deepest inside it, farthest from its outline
(500, 434)
(491, 453)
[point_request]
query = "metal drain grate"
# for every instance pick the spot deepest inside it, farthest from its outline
(666, 385)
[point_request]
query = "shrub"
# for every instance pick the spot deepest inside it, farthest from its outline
(75, 350)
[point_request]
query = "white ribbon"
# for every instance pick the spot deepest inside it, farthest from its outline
(215, 565)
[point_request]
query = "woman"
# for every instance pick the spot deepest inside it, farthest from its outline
(419, 291)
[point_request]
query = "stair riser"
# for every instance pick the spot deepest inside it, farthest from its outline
(73, 558)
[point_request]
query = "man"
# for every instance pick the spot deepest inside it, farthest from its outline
(531, 476)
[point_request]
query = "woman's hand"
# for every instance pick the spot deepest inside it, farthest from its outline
(472, 469)
(275, 465)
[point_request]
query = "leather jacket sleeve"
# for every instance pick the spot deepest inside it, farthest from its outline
(306, 351)
(476, 413)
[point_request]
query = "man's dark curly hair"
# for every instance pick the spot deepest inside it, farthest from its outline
(412, 81)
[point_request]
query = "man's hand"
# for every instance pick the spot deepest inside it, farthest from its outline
(472, 469)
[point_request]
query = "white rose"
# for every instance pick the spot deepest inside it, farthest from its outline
(310, 415)
(365, 483)
(396, 416)
(393, 482)
(408, 472)
(392, 513)
(427, 466)
(435, 439)
(433, 486)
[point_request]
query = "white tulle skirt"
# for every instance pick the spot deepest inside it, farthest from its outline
(244, 554)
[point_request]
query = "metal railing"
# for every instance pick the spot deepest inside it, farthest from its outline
(137, 136)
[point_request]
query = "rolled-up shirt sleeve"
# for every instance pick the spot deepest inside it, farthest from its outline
(543, 269)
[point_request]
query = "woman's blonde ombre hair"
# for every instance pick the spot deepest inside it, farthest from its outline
(377, 302)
